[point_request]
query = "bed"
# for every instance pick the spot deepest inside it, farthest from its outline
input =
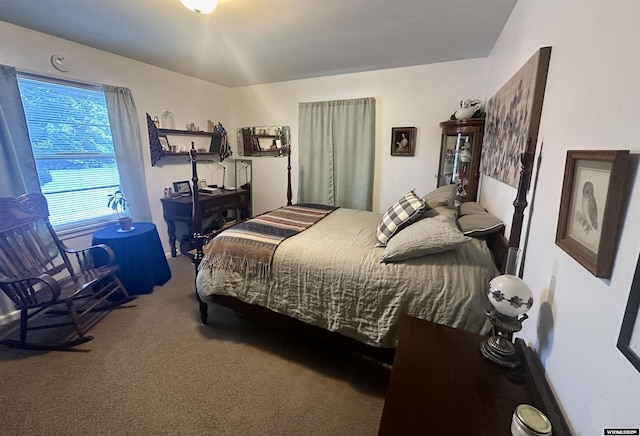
(331, 279)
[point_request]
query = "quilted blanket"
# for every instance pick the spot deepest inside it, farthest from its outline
(249, 246)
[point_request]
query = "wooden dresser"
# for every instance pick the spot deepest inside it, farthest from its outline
(440, 384)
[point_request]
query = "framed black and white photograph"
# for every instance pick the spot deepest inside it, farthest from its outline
(589, 218)
(183, 188)
(403, 141)
(164, 142)
(629, 339)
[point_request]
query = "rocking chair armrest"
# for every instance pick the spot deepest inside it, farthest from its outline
(46, 280)
(86, 251)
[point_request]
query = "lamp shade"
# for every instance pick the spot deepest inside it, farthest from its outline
(510, 295)
(200, 6)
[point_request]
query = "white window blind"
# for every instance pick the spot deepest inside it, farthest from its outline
(71, 140)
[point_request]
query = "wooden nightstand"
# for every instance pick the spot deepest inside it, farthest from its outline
(440, 384)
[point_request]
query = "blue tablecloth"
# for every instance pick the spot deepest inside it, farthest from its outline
(139, 253)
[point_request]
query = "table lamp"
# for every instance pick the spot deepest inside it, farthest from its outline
(510, 297)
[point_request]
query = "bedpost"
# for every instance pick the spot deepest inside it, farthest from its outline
(289, 193)
(196, 226)
(520, 203)
(498, 243)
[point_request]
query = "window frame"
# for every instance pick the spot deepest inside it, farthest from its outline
(79, 226)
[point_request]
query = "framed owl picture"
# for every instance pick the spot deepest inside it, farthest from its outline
(590, 206)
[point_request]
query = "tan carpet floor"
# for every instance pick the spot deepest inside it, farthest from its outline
(153, 369)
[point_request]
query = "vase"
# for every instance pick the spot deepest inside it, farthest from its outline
(168, 120)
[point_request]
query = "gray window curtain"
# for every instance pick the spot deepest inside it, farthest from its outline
(18, 173)
(125, 130)
(337, 152)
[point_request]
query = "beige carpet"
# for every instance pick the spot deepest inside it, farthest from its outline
(153, 369)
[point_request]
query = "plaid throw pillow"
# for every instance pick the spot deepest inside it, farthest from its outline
(400, 214)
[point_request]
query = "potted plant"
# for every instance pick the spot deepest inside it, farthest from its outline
(119, 204)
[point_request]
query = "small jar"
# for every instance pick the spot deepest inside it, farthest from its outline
(529, 421)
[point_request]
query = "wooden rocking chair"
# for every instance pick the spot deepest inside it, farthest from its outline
(37, 274)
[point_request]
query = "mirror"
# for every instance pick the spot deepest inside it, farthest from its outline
(264, 141)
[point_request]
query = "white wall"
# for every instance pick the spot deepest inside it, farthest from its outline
(421, 96)
(591, 102)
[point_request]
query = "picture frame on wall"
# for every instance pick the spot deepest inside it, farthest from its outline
(513, 119)
(629, 339)
(164, 142)
(403, 141)
(589, 218)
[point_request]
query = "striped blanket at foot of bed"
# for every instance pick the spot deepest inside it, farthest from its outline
(248, 247)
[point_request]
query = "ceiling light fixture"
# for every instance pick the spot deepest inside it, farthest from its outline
(200, 6)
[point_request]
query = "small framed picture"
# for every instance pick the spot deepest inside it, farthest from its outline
(202, 184)
(164, 142)
(183, 188)
(403, 141)
(589, 218)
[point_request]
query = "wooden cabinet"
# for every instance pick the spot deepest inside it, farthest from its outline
(440, 384)
(460, 153)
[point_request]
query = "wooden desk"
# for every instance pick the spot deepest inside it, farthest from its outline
(440, 384)
(181, 209)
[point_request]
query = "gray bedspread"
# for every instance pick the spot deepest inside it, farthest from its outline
(331, 276)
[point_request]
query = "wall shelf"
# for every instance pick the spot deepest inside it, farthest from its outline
(184, 132)
(159, 152)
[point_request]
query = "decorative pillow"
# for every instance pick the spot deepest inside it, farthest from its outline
(442, 196)
(470, 207)
(427, 236)
(408, 208)
(479, 224)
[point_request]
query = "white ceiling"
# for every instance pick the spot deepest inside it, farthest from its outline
(245, 42)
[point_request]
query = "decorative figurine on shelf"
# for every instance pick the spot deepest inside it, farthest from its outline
(468, 109)
(465, 151)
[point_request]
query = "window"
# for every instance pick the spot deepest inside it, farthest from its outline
(71, 140)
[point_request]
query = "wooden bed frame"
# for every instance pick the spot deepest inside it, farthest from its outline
(498, 244)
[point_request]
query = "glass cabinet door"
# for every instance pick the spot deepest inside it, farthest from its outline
(456, 157)
(460, 156)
